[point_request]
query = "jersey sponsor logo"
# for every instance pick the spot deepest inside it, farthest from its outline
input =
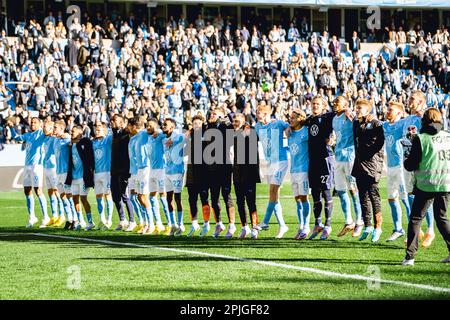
(98, 154)
(294, 149)
(389, 140)
(314, 130)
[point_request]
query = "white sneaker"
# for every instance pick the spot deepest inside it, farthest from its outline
(281, 232)
(121, 226)
(231, 231)
(90, 226)
(395, 236)
(194, 228)
(83, 224)
(108, 224)
(44, 223)
(131, 227)
(254, 234)
(173, 229)
(151, 229)
(219, 229)
(245, 232)
(263, 226)
(179, 231)
(446, 260)
(32, 221)
(407, 262)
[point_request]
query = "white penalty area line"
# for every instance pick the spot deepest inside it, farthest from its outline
(321, 272)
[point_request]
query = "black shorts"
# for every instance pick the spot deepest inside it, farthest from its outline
(321, 174)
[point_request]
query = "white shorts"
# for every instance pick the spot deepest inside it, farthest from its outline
(409, 180)
(157, 180)
(396, 183)
(174, 182)
(33, 176)
(277, 172)
(78, 188)
(102, 183)
(300, 183)
(343, 179)
(51, 178)
(132, 182)
(143, 181)
(62, 186)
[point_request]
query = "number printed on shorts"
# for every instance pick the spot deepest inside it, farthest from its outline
(278, 175)
(324, 178)
(305, 185)
(176, 183)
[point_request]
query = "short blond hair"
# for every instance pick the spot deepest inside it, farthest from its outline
(363, 102)
(264, 108)
(397, 105)
(61, 123)
(321, 99)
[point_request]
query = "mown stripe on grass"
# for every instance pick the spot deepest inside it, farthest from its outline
(260, 262)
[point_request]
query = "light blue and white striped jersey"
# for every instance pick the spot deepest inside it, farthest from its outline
(49, 152)
(102, 153)
(174, 154)
(345, 148)
(77, 172)
(298, 148)
(34, 146)
(62, 155)
(271, 137)
(156, 150)
(392, 136)
(141, 151)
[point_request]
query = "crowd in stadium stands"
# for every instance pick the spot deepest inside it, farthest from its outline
(188, 67)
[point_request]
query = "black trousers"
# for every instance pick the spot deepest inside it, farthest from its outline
(194, 191)
(246, 193)
(218, 185)
(119, 184)
(422, 200)
(369, 197)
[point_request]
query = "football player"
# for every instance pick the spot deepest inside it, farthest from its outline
(174, 173)
(298, 148)
(33, 172)
(411, 126)
(157, 173)
(345, 156)
(102, 145)
(270, 134)
(393, 132)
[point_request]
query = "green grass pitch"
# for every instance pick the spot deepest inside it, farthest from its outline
(36, 267)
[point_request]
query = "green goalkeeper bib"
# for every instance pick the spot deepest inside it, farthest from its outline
(434, 168)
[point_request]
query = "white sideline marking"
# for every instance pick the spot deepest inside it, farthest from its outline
(261, 262)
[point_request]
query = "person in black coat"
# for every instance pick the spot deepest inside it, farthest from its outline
(246, 173)
(83, 146)
(120, 169)
(219, 169)
(355, 44)
(195, 175)
(369, 157)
